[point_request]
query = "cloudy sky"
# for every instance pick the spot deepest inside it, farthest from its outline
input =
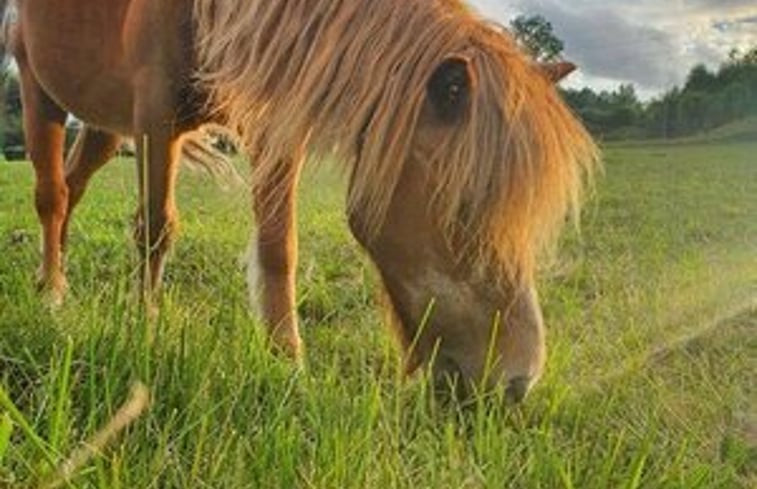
(652, 43)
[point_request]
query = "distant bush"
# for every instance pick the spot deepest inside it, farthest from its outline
(11, 125)
(12, 141)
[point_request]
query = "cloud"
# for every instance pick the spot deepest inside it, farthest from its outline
(650, 43)
(719, 4)
(726, 25)
(606, 44)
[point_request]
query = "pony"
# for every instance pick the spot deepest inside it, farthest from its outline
(462, 160)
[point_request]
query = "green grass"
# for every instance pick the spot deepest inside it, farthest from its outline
(650, 379)
(740, 131)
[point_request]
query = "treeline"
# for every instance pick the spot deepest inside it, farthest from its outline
(707, 100)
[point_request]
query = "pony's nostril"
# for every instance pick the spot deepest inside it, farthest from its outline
(448, 378)
(517, 389)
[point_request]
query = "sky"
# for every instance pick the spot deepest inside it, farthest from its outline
(650, 43)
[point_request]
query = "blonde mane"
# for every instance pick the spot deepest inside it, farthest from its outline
(348, 78)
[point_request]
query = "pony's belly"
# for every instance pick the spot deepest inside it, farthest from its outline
(78, 58)
(106, 103)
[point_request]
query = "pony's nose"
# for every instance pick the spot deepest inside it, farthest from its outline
(517, 389)
(449, 378)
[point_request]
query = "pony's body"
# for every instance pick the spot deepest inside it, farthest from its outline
(124, 67)
(463, 161)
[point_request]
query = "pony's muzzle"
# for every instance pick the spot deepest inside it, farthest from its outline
(450, 379)
(517, 389)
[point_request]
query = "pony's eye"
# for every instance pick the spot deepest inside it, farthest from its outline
(448, 89)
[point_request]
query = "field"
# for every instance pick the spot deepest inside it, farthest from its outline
(651, 311)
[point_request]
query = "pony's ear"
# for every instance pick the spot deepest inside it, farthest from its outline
(557, 71)
(449, 88)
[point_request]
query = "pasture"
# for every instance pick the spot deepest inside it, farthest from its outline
(650, 309)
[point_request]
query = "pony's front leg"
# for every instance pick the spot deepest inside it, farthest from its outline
(156, 221)
(273, 254)
(44, 129)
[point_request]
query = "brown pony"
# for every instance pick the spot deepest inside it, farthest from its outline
(463, 161)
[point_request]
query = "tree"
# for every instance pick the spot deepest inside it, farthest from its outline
(608, 112)
(750, 57)
(737, 57)
(536, 36)
(700, 79)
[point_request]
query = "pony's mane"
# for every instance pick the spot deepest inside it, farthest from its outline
(349, 77)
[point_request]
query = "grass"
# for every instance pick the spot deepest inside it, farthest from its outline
(740, 131)
(650, 380)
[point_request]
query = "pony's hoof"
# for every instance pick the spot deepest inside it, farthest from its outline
(54, 298)
(149, 306)
(289, 347)
(52, 289)
(145, 301)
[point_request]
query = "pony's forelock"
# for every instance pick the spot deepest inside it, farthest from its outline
(348, 78)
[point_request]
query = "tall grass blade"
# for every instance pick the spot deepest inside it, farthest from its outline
(6, 430)
(18, 418)
(60, 412)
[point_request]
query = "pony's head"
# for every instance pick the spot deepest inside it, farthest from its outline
(464, 162)
(494, 166)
